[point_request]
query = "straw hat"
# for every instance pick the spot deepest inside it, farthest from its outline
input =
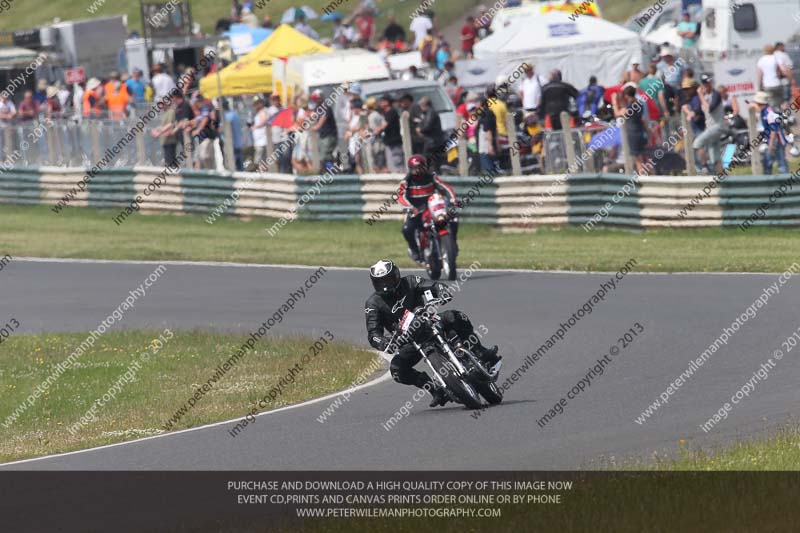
(761, 97)
(51, 91)
(92, 84)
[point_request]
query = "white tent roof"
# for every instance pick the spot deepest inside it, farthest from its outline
(579, 48)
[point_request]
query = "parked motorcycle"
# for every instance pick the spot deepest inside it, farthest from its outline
(455, 368)
(436, 240)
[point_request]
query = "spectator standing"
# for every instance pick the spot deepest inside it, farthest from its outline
(163, 84)
(136, 85)
(259, 132)
(671, 71)
(688, 30)
(302, 26)
(443, 56)
(52, 106)
(634, 127)
(654, 87)
(708, 143)
(92, 100)
(63, 95)
(634, 74)
(786, 70)
(365, 23)
(430, 130)
(531, 91)
(448, 72)
(773, 128)
(393, 32)
(280, 137)
(117, 100)
(453, 90)
(169, 135)
(301, 155)
(375, 123)
(232, 117)
(769, 76)
(8, 111)
(414, 118)
(487, 138)
(40, 95)
(248, 18)
(556, 99)
(326, 127)
(392, 138)
(205, 131)
(356, 133)
(589, 99)
(729, 101)
(468, 35)
(28, 108)
(420, 26)
(427, 49)
(500, 110)
(342, 35)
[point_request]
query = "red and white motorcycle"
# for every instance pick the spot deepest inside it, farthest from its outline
(436, 240)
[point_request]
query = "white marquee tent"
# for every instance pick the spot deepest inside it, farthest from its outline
(579, 48)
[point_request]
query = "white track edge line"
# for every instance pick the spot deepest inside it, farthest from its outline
(359, 269)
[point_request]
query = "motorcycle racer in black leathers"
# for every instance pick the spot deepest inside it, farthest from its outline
(413, 193)
(385, 307)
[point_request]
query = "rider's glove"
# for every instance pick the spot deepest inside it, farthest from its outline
(381, 343)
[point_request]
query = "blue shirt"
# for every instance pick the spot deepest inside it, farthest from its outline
(769, 119)
(136, 89)
(442, 57)
(232, 117)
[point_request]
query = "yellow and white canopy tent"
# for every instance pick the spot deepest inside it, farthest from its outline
(252, 73)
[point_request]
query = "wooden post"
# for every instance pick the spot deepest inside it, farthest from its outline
(95, 133)
(188, 148)
(8, 143)
(755, 156)
(313, 144)
(630, 168)
(228, 156)
(463, 157)
(569, 146)
(589, 163)
(511, 127)
(405, 132)
(366, 155)
(273, 166)
(688, 146)
(141, 151)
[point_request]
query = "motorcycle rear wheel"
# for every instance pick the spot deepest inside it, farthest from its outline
(461, 389)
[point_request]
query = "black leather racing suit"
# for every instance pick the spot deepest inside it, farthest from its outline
(384, 312)
(414, 192)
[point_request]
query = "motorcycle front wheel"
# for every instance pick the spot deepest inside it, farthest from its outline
(458, 386)
(448, 245)
(433, 263)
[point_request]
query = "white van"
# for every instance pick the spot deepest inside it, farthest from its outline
(734, 26)
(328, 70)
(417, 89)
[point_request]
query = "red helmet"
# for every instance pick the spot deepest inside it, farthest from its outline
(417, 166)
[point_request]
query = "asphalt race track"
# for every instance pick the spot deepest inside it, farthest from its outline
(681, 313)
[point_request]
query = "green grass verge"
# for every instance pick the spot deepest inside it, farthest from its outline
(89, 233)
(156, 386)
(779, 451)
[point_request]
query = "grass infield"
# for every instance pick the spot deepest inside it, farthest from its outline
(91, 234)
(151, 394)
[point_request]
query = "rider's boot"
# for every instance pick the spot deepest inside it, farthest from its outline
(414, 254)
(488, 355)
(439, 396)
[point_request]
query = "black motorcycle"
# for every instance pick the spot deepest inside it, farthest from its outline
(456, 368)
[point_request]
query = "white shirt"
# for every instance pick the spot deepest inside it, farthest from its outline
(7, 107)
(783, 59)
(162, 85)
(420, 26)
(768, 65)
(531, 92)
(260, 134)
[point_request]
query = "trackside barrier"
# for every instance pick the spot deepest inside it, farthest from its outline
(513, 203)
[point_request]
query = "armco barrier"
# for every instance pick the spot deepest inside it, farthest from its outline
(513, 203)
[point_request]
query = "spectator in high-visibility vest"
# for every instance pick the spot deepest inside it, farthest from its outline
(92, 99)
(117, 100)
